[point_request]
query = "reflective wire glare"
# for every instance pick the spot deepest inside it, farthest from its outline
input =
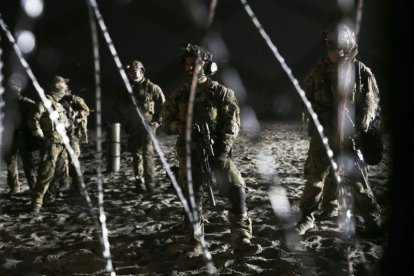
(98, 103)
(121, 70)
(49, 109)
(26, 41)
(33, 8)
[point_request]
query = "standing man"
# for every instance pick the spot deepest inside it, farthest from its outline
(336, 104)
(150, 99)
(78, 112)
(52, 149)
(19, 108)
(216, 106)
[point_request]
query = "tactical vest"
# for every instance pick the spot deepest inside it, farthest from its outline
(47, 125)
(144, 94)
(206, 105)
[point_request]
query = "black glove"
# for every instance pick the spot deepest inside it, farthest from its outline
(44, 144)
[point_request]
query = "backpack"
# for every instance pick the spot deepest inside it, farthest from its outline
(372, 145)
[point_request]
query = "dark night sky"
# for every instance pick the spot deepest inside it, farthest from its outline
(154, 30)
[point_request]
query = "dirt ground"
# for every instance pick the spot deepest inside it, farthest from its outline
(144, 229)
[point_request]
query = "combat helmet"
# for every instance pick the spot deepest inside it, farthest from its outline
(136, 64)
(192, 50)
(340, 37)
(59, 79)
(55, 89)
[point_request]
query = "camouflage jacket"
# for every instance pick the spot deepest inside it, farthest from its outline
(78, 112)
(41, 124)
(150, 99)
(321, 89)
(214, 104)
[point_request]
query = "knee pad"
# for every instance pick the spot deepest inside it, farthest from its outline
(237, 196)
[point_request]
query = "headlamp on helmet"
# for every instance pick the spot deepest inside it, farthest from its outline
(137, 65)
(194, 51)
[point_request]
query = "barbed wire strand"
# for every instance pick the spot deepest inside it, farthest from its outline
(295, 83)
(358, 18)
(2, 102)
(54, 117)
(98, 109)
(188, 130)
(101, 23)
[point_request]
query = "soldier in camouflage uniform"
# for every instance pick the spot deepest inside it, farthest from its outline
(21, 145)
(150, 99)
(77, 111)
(52, 148)
(322, 88)
(217, 106)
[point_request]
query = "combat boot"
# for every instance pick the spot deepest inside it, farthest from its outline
(36, 208)
(15, 190)
(149, 186)
(328, 214)
(306, 223)
(370, 229)
(139, 186)
(241, 233)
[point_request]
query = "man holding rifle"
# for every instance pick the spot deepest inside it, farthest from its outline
(215, 118)
(345, 96)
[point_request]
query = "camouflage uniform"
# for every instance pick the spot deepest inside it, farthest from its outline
(22, 145)
(78, 112)
(150, 99)
(217, 106)
(52, 148)
(321, 189)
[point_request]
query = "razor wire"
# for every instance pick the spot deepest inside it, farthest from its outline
(358, 18)
(53, 115)
(189, 121)
(295, 83)
(2, 102)
(98, 109)
(102, 25)
(348, 215)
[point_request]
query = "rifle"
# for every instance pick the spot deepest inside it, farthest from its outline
(357, 156)
(202, 135)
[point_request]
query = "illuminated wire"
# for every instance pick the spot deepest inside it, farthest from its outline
(2, 102)
(61, 130)
(127, 83)
(98, 110)
(358, 18)
(295, 83)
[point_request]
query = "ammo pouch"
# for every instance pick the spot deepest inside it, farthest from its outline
(46, 124)
(372, 145)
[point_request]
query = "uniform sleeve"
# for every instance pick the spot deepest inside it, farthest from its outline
(369, 100)
(169, 113)
(159, 100)
(80, 105)
(309, 88)
(34, 118)
(229, 122)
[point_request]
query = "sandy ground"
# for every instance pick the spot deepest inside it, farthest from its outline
(144, 230)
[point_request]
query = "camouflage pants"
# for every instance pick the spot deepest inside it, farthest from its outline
(52, 167)
(68, 170)
(142, 151)
(229, 182)
(321, 190)
(12, 161)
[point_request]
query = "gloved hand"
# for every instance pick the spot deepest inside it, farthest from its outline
(44, 144)
(154, 126)
(220, 160)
